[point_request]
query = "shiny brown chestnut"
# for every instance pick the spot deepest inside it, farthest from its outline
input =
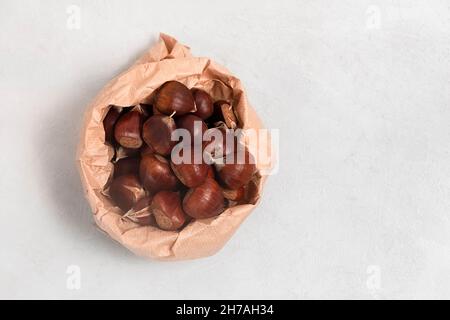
(126, 191)
(173, 97)
(126, 166)
(191, 174)
(235, 172)
(127, 130)
(156, 174)
(109, 122)
(194, 125)
(157, 132)
(167, 210)
(203, 103)
(204, 201)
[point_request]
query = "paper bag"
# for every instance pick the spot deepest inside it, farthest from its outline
(167, 60)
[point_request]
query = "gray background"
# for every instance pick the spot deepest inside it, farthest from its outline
(359, 91)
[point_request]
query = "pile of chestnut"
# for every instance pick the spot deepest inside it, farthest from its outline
(149, 186)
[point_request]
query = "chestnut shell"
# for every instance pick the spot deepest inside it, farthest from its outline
(157, 132)
(127, 131)
(191, 174)
(235, 174)
(229, 115)
(194, 125)
(167, 210)
(156, 174)
(126, 191)
(109, 122)
(204, 201)
(203, 103)
(173, 96)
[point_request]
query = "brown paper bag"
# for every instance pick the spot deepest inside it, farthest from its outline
(167, 60)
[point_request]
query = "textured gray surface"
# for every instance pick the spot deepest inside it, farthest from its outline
(360, 92)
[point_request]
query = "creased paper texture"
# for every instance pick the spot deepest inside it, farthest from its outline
(167, 60)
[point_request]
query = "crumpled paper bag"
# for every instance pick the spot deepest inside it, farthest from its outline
(167, 60)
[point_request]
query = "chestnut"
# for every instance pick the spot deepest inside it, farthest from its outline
(167, 210)
(204, 201)
(194, 125)
(109, 122)
(173, 97)
(127, 130)
(157, 133)
(236, 172)
(126, 166)
(126, 191)
(203, 103)
(156, 175)
(191, 174)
